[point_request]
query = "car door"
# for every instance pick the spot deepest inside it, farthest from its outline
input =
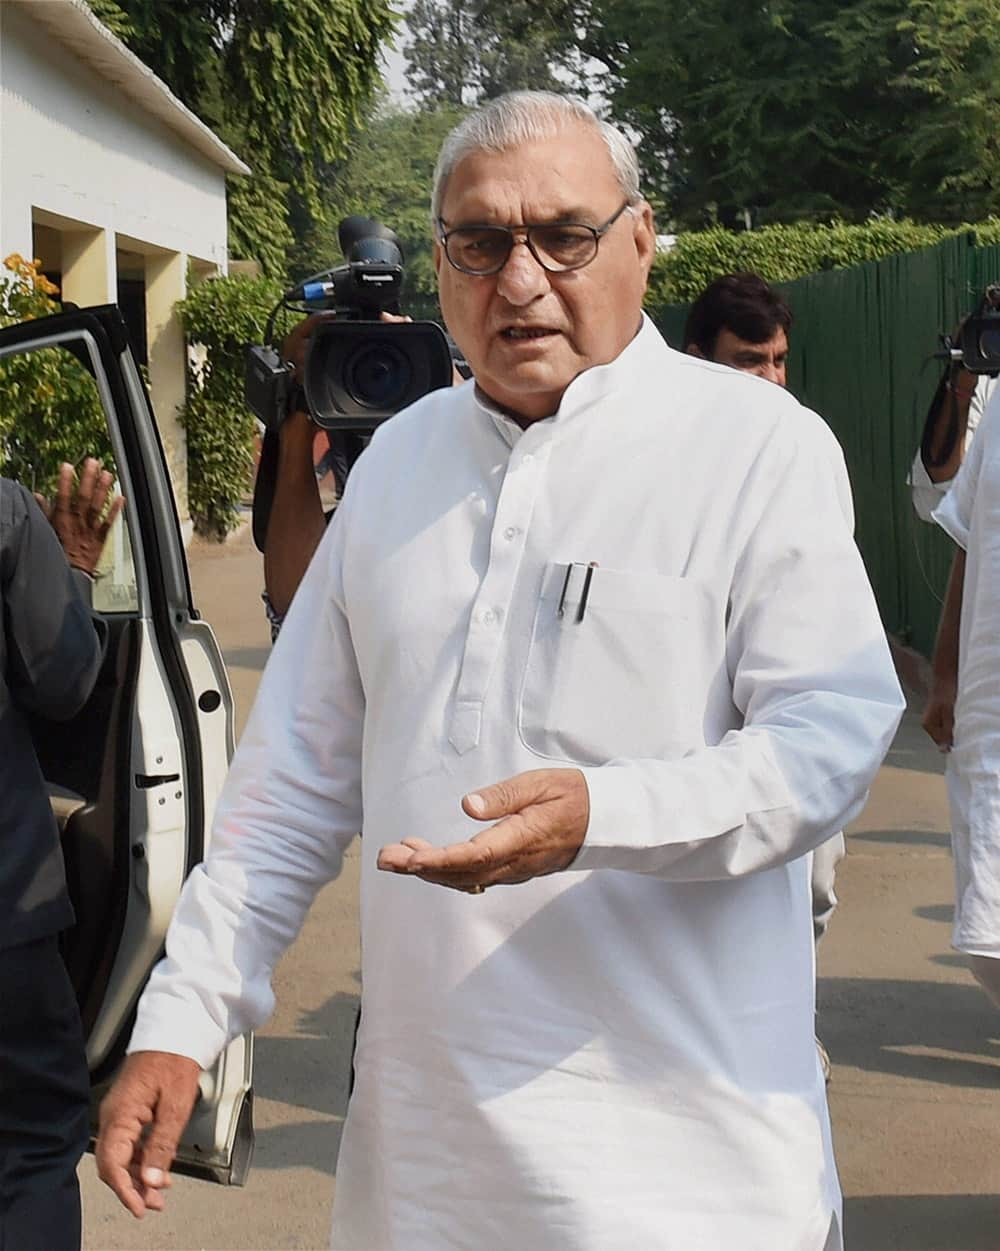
(134, 778)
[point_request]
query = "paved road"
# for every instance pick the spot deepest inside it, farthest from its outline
(915, 1046)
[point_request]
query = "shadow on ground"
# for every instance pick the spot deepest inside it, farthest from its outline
(309, 1069)
(883, 1026)
(911, 748)
(923, 1223)
(904, 838)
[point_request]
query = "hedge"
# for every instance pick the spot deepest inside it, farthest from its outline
(221, 315)
(782, 253)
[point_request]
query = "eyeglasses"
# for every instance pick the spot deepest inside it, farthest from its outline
(558, 247)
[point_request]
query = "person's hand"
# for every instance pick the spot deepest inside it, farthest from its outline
(83, 518)
(541, 817)
(939, 715)
(142, 1119)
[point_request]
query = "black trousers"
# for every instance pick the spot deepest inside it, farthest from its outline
(44, 1101)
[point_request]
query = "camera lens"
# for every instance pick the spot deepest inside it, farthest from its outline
(378, 375)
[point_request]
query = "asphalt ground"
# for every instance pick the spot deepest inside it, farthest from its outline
(915, 1045)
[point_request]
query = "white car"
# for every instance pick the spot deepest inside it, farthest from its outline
(135, 776)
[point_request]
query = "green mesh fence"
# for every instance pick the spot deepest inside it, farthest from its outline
(861, 356)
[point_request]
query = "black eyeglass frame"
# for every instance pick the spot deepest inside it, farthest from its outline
(525, 229)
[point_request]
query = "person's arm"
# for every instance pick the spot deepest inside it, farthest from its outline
(290, 806)
(939, 715)
(943, 444)
(297, 521)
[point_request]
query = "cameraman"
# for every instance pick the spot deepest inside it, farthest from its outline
(297, 520)
(951, 423)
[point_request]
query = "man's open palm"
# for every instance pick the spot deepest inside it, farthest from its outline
(541, 820)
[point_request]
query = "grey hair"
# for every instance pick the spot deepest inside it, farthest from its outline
(526, 117)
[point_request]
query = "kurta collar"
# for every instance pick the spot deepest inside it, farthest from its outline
(587, 389)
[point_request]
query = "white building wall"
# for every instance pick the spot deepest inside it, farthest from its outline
(72, 146)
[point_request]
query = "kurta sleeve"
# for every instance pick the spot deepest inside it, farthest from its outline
(954, 513)
(811, 677)
(290, 807)
(924, 491)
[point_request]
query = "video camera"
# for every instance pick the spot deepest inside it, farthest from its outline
(978, 346)
(358, 370)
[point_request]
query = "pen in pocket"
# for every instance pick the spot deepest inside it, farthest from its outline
(588, 574)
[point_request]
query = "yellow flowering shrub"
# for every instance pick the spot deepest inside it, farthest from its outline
(50, 408)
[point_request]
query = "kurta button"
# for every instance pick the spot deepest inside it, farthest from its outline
(527, 458)
(510, 533)
(488, 617)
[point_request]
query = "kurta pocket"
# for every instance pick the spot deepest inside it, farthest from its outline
(616, 666)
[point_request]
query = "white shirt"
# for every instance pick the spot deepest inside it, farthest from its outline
(970, 513)
(620, 1055)
(925, 492)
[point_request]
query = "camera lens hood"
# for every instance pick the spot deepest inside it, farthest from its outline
(359, 373)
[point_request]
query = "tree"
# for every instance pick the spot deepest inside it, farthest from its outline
(387, 175)
(283, 82)
(461, 52)
(794, 108)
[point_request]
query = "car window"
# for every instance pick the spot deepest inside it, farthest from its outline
(50, 412)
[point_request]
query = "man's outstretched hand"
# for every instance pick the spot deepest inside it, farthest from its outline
(541, 820)
(82, 518)
(142, 1119)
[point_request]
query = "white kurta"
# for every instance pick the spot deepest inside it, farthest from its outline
(621, 1055)
(971, 515)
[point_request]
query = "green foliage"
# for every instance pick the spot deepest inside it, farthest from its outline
(258, 221)
(952, 87)
(281, 81)
(461, 52)
(51, 409)
(222, 315)
(796, 109)
(113, 16)
(782, 253)
(388, 176)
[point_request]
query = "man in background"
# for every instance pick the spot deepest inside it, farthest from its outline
(950, 426)
(968, 654)
(740, 321)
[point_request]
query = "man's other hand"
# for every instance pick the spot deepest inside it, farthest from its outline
(939, 715)
(541, 820)
(142, 1119)
(82, 518)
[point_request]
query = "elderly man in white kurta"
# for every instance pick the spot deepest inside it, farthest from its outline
(589, 656)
